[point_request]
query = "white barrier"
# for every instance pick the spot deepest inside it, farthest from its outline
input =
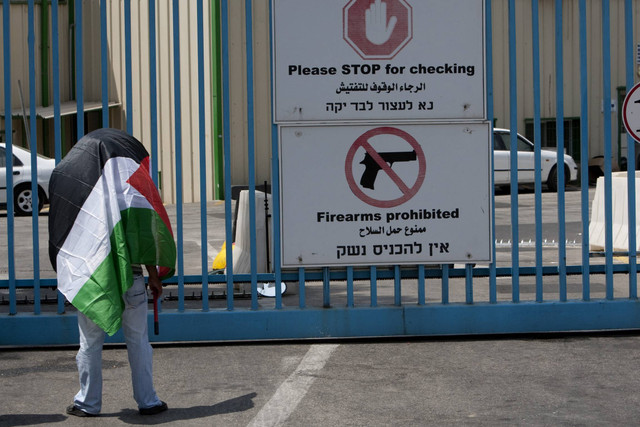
(242, 248)
(620, 217)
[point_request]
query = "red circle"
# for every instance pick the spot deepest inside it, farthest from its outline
(624, 113)
(410, 191)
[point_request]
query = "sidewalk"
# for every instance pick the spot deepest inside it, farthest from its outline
(589, 380)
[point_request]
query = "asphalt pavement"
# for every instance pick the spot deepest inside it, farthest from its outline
(577, 380)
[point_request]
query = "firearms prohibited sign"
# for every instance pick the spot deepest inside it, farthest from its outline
(411, 213)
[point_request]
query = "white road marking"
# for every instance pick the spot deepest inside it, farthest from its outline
(291, 392)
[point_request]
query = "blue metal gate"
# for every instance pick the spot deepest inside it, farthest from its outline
(521, 291)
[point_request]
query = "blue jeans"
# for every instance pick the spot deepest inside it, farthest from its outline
(89, 358)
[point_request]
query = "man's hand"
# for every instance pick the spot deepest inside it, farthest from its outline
(155, 284)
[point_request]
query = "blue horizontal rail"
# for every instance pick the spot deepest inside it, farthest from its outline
(387, 321)
(381, 273)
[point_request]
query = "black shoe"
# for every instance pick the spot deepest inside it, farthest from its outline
(154, 409)
(74, 410)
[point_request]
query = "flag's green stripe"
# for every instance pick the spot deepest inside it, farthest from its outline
(148, 247)
(100, 298)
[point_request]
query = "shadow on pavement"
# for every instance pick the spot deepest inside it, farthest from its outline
(130, 416)
(30, 419)
(237, 404)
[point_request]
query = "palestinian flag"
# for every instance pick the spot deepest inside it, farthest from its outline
(105, 215)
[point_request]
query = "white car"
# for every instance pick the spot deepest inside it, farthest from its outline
(22, 179)
(549, 172)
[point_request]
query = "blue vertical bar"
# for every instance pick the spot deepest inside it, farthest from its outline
(397, 285)
(421, 285)
(8, 126)
(301, 288)
(79, 72)
(56, 104)
(631, 157)
(537, 140)
(275, 190)
(513, 113)
(251, 153)
(34, 164)
(127, 65)
(469, 283)
(153, 91)
(584, 151)
(562, 241)
(224, 12)
(606, 95)
(374, 286)
(489, 48)
(104, 49)
(153, 103)
(326, 287)
(178, 138)
(203, 159)
(445, 284)
(55, 56)
(349, 286)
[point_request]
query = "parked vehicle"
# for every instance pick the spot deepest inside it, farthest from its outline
(526, 170)
(22, 195)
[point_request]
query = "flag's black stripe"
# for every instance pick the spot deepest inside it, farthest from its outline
(75, 176)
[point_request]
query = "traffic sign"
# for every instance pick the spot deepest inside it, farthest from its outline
(377, 29)
(631, 112)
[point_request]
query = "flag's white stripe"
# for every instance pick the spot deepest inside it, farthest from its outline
(87, 244)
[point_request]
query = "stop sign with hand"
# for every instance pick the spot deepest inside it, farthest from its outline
(377, 29)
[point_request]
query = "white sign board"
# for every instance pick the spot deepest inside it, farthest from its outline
(385, 194)
(355, 60)
(631, 112)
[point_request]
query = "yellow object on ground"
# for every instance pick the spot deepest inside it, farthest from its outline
(220, 261)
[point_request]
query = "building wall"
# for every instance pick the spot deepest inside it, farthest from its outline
(140, 116)
(238, 90)
(571, 64)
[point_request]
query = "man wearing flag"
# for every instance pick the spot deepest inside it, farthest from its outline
(106, 220)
